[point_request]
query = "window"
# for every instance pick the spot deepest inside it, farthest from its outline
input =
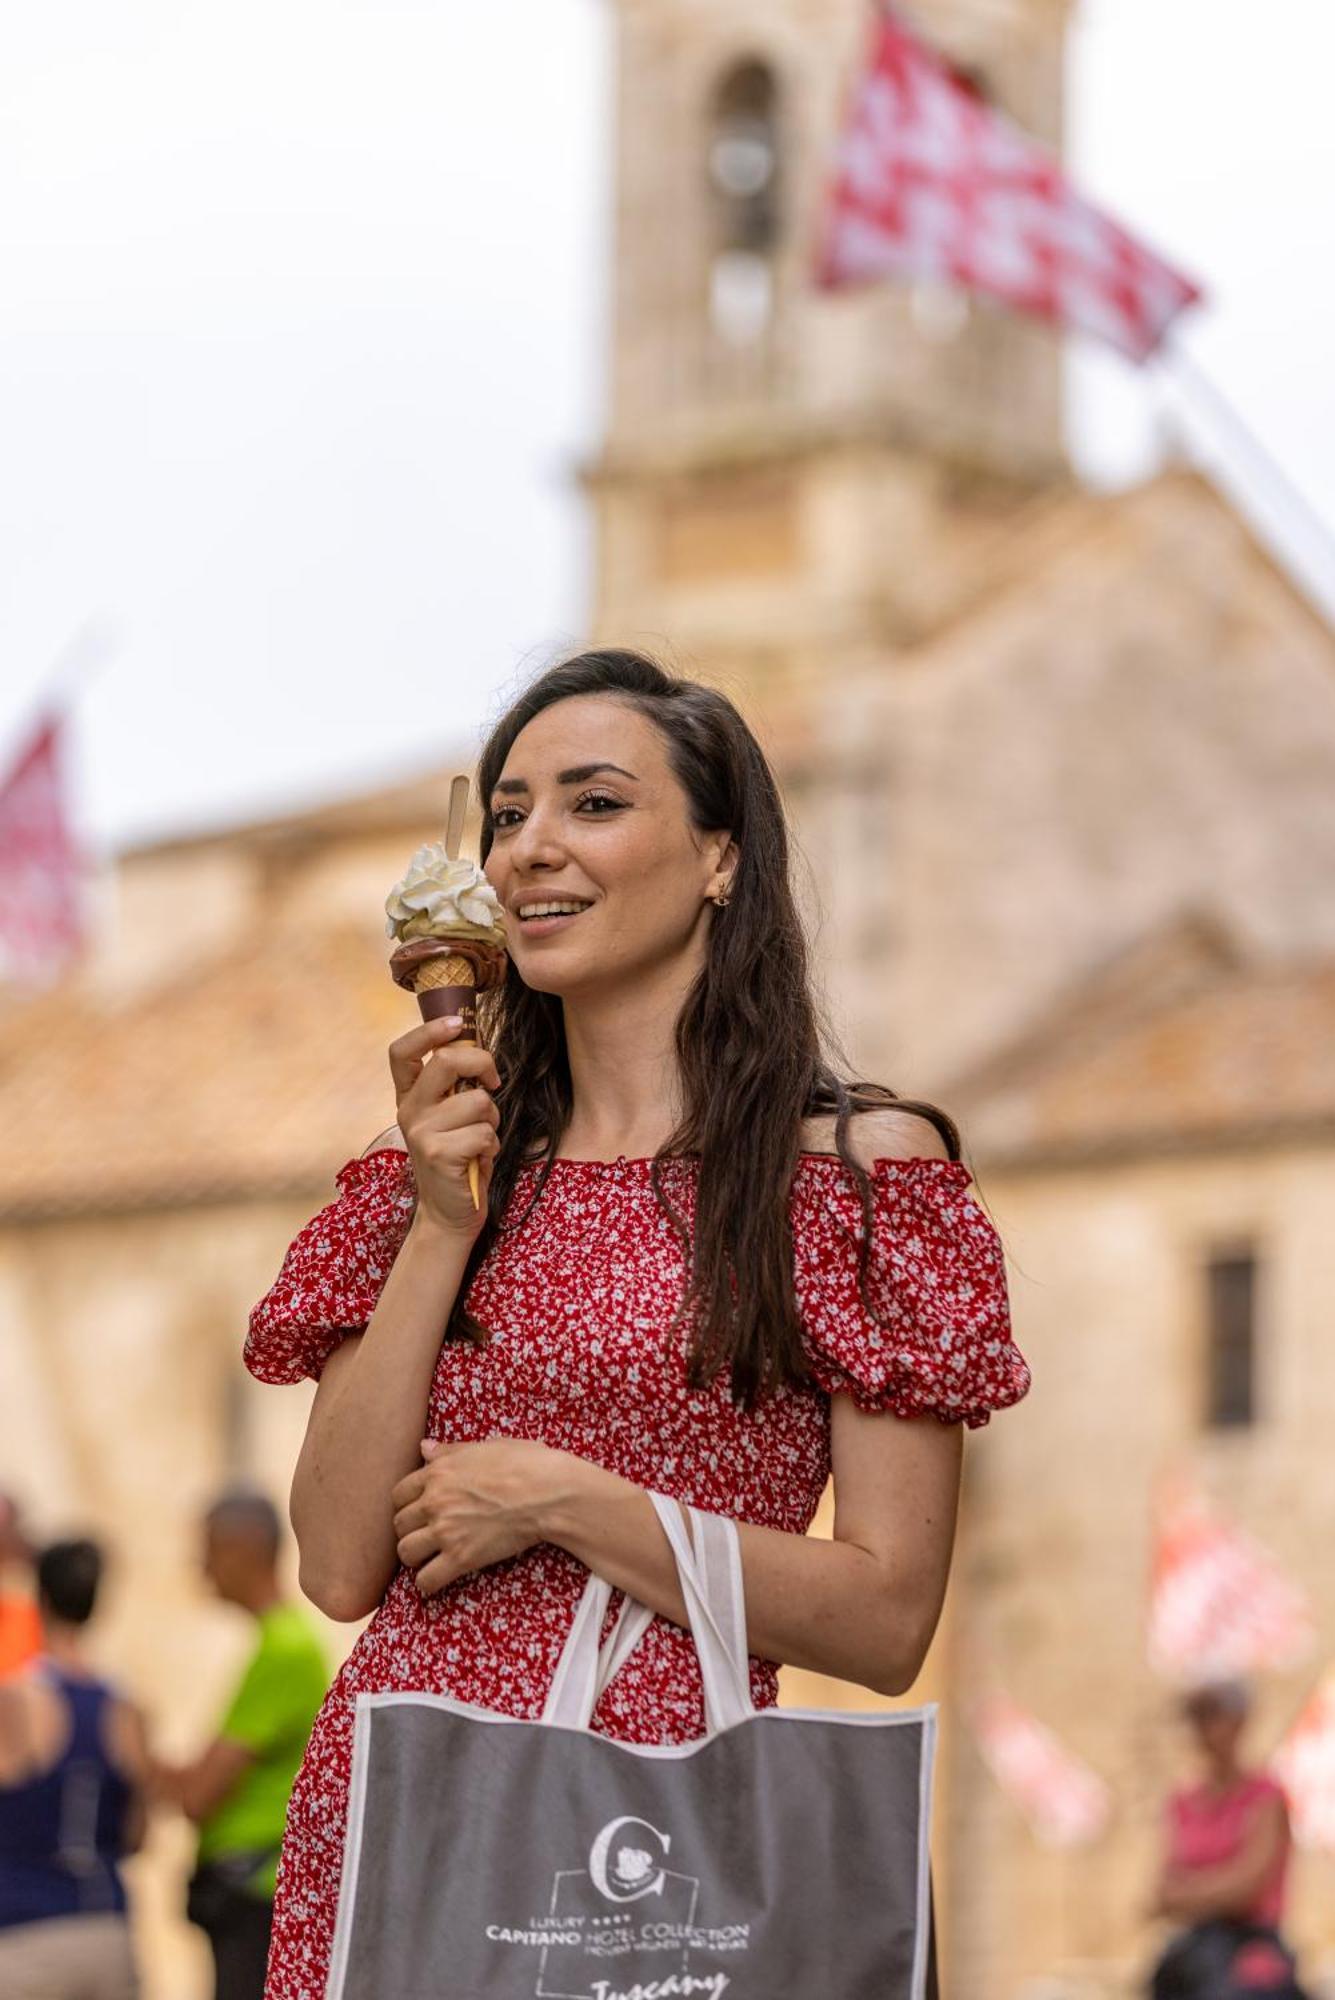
(744, 184)
(1231, 1288)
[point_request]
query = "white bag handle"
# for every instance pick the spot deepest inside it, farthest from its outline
(710, 1574)
(711, 1579)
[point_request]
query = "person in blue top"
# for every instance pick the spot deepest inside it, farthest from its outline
(73, 1770)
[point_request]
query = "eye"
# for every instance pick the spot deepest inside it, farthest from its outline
(505, 817)
(599, 804)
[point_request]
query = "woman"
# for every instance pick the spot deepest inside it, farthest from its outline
(73, 1766)
(1225, 1866)
(705, 1267)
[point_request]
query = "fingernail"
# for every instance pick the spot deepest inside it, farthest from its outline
(453, 1020)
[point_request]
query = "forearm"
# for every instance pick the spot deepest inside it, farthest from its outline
(831, 1607)
(199, 1788)
(1195, 1897)
(367, 1425)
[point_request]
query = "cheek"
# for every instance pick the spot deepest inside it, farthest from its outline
(659, 906)
(658, 878)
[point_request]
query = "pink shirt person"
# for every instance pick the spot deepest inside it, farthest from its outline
(1208, 1828)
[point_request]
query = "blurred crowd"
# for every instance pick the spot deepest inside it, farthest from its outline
(80, 1775)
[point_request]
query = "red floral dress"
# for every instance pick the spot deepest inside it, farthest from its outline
(579, 1297)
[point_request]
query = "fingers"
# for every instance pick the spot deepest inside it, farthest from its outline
(409, 1489)
(447, 1149)
(418, 1548)
(448, 1114)
(435, 1575)
(417, 1052)
(417, 1514)
(440, 1103)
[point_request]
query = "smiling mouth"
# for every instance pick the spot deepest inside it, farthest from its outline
(551, 913)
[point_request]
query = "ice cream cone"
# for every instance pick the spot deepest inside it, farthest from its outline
(451, 945)
(444, 970)
(450, 971)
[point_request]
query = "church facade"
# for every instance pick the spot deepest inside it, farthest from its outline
(1062, 767)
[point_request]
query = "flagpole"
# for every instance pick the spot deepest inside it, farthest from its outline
(1200, 391)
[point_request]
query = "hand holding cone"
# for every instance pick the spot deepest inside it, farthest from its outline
(450, 936)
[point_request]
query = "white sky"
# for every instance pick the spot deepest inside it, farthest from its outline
(301, 330)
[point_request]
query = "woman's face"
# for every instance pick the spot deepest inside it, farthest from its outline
(1217, 1729)
(589, 818)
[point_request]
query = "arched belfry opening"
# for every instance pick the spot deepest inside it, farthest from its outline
(744, 174)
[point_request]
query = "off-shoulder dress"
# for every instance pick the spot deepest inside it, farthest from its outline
(579, 1297)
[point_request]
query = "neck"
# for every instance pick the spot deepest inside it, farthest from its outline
(260, 1596)
(64, 1645)
(621, 1045)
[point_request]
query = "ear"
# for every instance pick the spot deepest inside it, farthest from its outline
(720, 850)
(722, 854)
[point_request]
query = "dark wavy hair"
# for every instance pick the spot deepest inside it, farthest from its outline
(749, 1041)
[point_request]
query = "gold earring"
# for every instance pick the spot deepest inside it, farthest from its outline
(723, 898)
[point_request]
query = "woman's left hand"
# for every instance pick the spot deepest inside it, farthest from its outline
(469, 1506)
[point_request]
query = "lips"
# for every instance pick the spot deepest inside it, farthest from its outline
(552, 906)
(538, 916)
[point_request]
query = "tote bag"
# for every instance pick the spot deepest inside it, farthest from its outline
(783, 1856)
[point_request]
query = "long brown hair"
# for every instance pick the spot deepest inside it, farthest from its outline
(749, 1043)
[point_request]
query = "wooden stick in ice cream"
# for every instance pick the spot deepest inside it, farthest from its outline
(450, 936)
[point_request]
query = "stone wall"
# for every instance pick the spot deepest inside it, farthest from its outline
(123, 1408)
(1107, 1278)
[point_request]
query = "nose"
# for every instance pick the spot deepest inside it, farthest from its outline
(536, 846)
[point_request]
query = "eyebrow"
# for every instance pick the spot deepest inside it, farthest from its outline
(576, 775)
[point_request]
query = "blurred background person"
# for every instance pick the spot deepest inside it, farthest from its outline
(236, 1790)
(20, 1622)
(1225, 1866)
(73, 1766)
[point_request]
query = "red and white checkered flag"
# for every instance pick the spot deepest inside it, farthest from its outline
(931, 182)
(1305, 1766)
(1219, 1605)
(1065, 1802)
(42, 914)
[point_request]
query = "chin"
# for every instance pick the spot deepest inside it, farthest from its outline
(551, 975)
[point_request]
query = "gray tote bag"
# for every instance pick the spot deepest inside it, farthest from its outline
(782, 1857)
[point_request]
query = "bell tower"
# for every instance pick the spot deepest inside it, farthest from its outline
(780, 463)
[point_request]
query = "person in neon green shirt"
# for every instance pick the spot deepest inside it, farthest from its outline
(237, 1790)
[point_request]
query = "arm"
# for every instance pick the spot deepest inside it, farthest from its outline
(14, 1748)
(862, 1607)
(127, 1747)
(365, 1423)
(1192, 1895)
(199, 1788)
(371, 1406)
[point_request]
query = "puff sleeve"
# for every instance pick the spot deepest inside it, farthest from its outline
(332, 1275)
(928, 1332)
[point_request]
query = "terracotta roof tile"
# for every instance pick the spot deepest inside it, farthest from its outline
(1249, 1056)
(257, 1074)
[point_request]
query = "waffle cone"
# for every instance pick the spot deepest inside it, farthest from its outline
(428, 976)
(451, 970)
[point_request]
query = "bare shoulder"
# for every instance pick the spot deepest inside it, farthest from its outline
(882, 1133)
(391, 1141)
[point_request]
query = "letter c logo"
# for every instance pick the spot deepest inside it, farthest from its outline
(623, 1865)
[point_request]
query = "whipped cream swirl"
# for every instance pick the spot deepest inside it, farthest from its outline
(440, 897)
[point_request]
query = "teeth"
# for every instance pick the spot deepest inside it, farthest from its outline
(551, 909)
